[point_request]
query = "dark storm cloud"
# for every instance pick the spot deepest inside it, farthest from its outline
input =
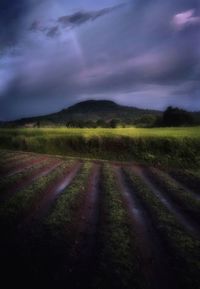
(53, 31)
(35, 26)
(75, 19)
(146, 54)
(11, 13)
(72, 20)
(83, 16)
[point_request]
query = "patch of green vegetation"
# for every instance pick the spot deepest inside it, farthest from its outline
(118, 262)
(178, 147)
(185, 248)
(177, 193)
(19, 205)
(176, 132)
(64, 209)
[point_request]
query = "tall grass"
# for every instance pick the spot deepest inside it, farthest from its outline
(167, 146)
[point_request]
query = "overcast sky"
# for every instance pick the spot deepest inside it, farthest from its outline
(53, 53)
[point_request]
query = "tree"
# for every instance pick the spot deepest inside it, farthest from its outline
(114, 123)
(146, 120)
(101, 123)
(174, 116)
(90, 124)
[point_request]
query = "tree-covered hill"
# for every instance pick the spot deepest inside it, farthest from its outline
(92, 110)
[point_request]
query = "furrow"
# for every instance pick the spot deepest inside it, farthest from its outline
(118, 264)
(154, 260)
(18, 206)
(182, 219)
(84, 249)
(52, 193)
(22, 166)
(28, 179)
(182, 196)
(188, 180)
(182, 249)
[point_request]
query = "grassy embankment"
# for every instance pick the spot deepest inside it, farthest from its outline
(167, 146)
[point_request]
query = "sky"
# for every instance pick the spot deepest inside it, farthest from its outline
(54, 53)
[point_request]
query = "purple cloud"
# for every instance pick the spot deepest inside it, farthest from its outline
(185, 19)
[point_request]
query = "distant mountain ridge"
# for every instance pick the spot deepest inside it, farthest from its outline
(92, 110)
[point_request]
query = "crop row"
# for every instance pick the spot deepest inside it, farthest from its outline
(5, 183)
(118, 262)
(53, 242)
(190, 179)
(183, 198)
(185, 248)
(20, 203)
(11, 158)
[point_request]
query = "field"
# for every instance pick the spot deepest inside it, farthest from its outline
(166, 146)
(75, 223)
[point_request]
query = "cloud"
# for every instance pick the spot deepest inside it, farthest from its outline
(75, 19)
(48, 83)
(185, 19)
(132, 56)
(11, 14)
(72, 20)
(53, 31)
(81, 17)
(35, 26)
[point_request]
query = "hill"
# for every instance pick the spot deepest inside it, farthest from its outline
(91, 110)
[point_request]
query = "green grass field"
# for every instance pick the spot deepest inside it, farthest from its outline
(177, 132)
(167, 146)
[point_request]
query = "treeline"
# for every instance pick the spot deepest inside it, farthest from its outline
(174, 116)
(113, 123)
(171, 117)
